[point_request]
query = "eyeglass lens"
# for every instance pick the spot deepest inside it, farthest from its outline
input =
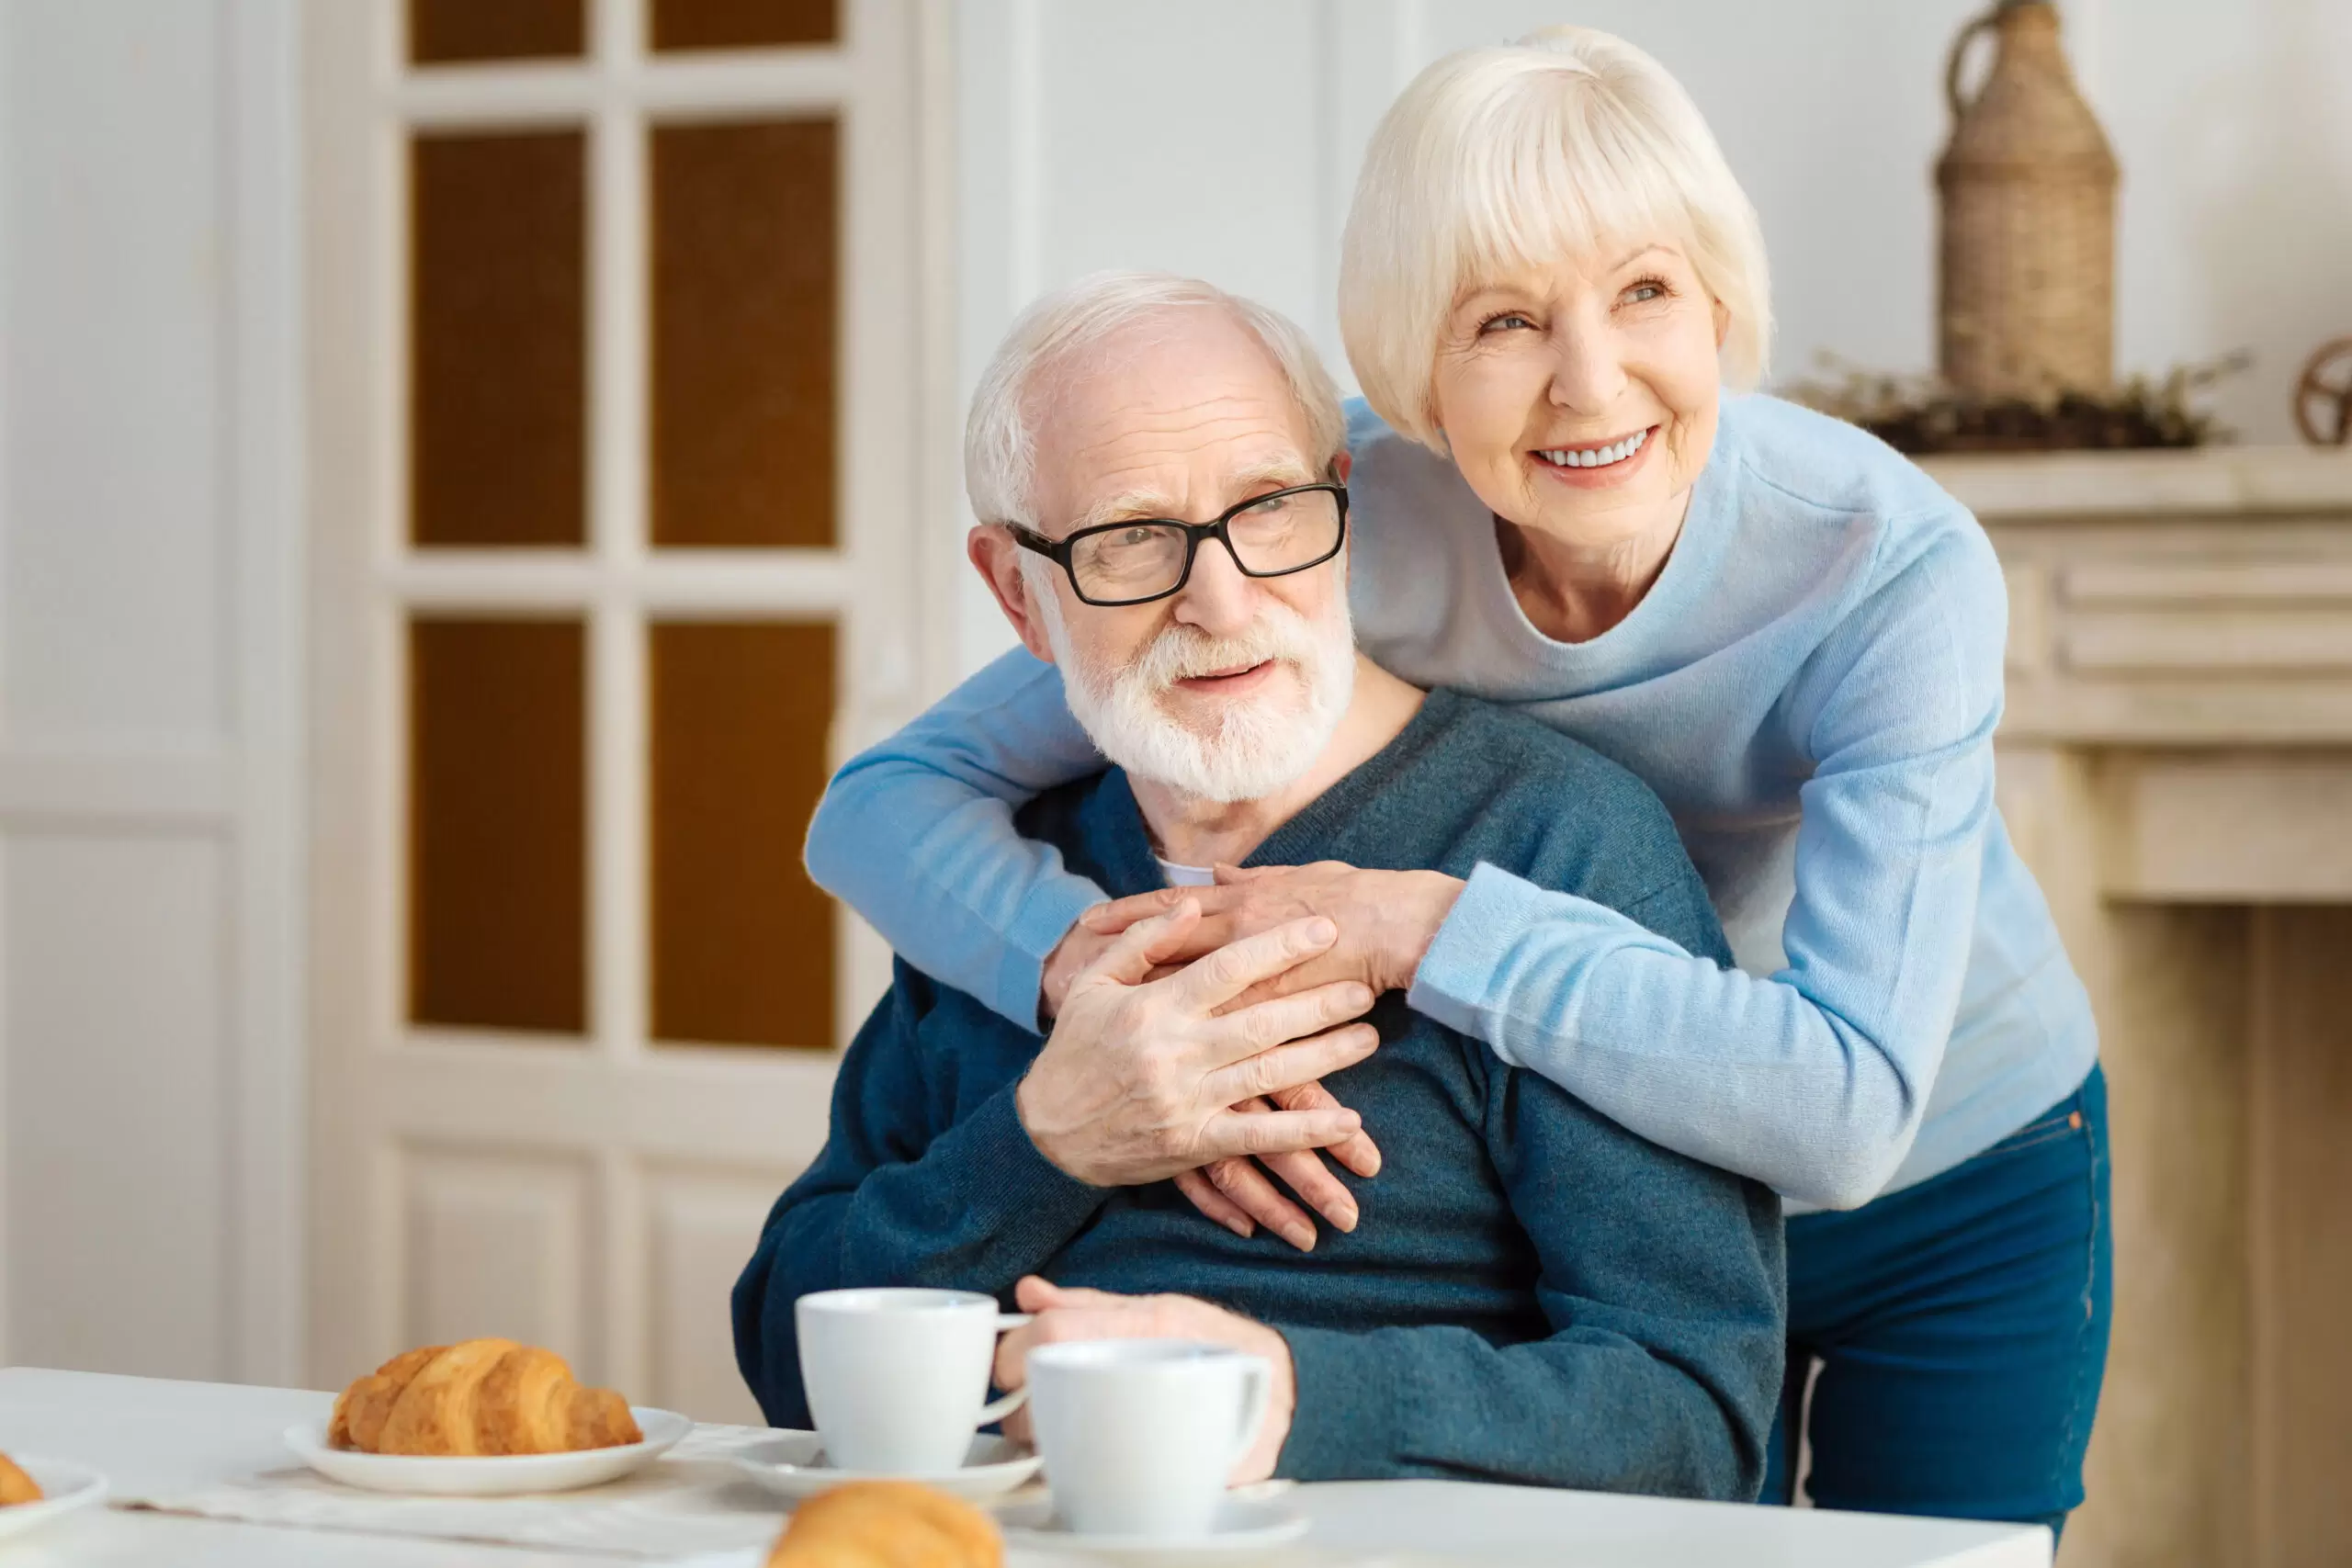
(1283, 532)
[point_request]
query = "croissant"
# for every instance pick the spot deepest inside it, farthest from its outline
(480, 1396)
(15, 1486)
(887, 1524)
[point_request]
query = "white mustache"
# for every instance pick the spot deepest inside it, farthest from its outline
(1184, 653)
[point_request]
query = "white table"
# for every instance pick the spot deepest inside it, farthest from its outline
(151, 1436)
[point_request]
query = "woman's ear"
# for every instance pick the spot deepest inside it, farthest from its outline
(1723, 323)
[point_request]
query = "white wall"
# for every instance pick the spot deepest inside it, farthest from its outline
(149, 1107)
(1222, 137)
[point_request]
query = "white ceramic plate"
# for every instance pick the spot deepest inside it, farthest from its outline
(492, 1476)
(792, 1464)
(1243, 1525)
(65, 1488)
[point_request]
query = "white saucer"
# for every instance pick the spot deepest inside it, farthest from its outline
(1243, 1524)
(491, 1476)
(65, 1488)
(792, 1464)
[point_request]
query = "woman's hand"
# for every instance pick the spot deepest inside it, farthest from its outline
(1237, 1194)
(1387, 918)
(1080, 946)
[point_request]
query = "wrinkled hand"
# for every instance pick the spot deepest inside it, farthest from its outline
(1063, 1315)
(1387, 918)
(1138, 1079)
(1081, 945)
(1237, 1194)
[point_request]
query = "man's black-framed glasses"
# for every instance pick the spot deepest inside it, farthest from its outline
(1151, 558)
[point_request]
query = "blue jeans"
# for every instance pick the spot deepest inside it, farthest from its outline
(1961, 1328)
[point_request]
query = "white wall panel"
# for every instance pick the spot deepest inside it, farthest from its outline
(115, 1101)
(111, 620)
(150, 686)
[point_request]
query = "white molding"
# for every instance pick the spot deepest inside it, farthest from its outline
(671, 585)
(489, 96)
(265, 464)
(136, 791)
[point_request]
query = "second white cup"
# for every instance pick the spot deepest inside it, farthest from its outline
(1139, 1436)
(897, 1380)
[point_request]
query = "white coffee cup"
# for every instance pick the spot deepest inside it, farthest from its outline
(897, 1380)
(1139, 1436)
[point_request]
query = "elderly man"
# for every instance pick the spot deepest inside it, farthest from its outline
(1532, 1293)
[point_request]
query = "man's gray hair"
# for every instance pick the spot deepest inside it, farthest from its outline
(1000, 439)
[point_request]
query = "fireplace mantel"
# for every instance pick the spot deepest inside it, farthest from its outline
(2175, 764)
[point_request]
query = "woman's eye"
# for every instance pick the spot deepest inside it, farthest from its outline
(1509, 320)
(1642, 293)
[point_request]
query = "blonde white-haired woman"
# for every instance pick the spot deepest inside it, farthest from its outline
(1792, 635)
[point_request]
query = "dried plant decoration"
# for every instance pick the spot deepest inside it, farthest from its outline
(1922, 414)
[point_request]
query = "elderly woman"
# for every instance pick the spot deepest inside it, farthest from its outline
(1793, 635)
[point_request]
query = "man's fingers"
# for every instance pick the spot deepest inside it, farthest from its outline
(1245, 1184)
(1287, 1067)
(1245, 1032)
(1359, 1154)
(1224, 974)
(1234, 1133)
(1203, 1195)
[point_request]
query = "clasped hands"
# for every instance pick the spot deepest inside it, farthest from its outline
(1232, 976)
(1174, 1027)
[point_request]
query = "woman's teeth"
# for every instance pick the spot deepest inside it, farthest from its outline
(1595, 457)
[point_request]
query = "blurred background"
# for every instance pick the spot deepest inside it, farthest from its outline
(469, 468)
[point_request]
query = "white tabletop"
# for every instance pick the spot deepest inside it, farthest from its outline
(149, 1436)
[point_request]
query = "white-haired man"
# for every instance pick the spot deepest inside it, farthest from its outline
(1532, 1294)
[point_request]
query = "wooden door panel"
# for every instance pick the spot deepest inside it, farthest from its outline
(497, 1243)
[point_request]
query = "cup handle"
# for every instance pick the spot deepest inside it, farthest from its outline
(1253, 1407)
(999, 1409)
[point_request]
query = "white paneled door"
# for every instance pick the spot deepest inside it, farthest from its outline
(619, 309)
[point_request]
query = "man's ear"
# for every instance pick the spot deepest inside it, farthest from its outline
(998, 559)
(1341, 465)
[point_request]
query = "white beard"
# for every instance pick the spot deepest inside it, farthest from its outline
(1258, 746)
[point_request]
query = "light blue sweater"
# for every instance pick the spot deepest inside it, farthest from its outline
(1811, 687)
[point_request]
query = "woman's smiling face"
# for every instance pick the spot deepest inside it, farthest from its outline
(1579, 400)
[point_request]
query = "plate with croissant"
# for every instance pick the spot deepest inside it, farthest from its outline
(35, 1491)
(481, 1418)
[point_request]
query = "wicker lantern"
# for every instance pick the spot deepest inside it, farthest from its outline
(2027, 267)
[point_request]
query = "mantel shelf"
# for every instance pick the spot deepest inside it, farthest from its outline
(2129, 486)
(2192, 600)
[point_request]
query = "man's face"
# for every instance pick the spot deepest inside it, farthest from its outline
(1229, 688)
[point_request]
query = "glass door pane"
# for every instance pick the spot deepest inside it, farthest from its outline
(498, 390)
(498, 812)
(742, 941)
(745, 308)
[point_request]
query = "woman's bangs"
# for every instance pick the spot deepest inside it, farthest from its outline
(1554, 177)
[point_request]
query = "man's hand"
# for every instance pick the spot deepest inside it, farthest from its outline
(1387, 918)
(1138, 1079)
(1060, 1314)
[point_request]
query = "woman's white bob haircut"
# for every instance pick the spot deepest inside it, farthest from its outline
(1000, 438)
(1496, 160)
